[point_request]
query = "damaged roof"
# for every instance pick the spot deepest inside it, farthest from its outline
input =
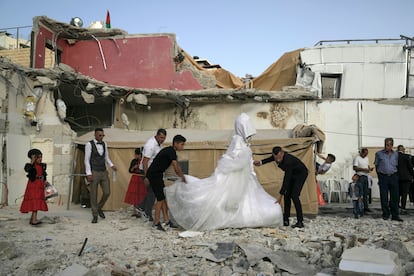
(63, 74)
(68, 31)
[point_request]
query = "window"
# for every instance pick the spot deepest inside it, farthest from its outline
(331, 85)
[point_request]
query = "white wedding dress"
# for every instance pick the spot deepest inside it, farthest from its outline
(231, 197)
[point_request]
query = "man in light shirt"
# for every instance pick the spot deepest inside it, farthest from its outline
(362, 169)
(149, 151)
(96, 158)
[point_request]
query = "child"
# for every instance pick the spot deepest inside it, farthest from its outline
(136, 189)
(34, 196)
(324, 168)
(355, 191)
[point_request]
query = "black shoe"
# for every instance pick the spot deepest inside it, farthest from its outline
(367, 210)
(150, 219)
(397, 219)
(171, 225)
(35, 223)
(101, 214)
(298, 224)
(158, 226)
(385, 218)
(285, 222)
(95, 219)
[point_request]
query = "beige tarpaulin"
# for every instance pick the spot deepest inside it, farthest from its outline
(302, 130)
(279, 74)
(202, 151)
(224, 78)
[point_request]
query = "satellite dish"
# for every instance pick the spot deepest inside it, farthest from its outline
(76, 21)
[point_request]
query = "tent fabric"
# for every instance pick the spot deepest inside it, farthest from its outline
(302, 130)
(281, 73)
(202, 151)
(224, 78)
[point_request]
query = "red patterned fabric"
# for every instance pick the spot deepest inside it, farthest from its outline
(34, 196)
(136, 191)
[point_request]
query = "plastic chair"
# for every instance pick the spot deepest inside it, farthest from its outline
(344, 190)
(333, 187)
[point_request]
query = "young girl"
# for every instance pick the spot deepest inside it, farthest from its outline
(136, 189)
(34, 196)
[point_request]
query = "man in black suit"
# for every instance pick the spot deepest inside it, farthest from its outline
(293, 180)
(405, 175)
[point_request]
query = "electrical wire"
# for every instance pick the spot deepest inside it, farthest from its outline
(101, 51)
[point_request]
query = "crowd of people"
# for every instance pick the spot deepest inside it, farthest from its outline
(232, 196)
(395, 181)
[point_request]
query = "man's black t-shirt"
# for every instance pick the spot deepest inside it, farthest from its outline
(162, 161)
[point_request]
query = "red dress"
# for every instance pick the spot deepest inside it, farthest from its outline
(34, 196)
(136, 189)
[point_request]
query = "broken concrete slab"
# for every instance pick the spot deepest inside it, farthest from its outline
(75, 269)
(365, 260)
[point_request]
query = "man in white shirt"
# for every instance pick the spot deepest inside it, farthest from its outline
(149, 151)
(96, 158)
(362, 168)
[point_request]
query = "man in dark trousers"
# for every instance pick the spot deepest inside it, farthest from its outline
(405, 176)
(386, 165)
(293, 180)
(96, 158)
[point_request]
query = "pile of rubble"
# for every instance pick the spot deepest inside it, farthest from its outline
(68, 244)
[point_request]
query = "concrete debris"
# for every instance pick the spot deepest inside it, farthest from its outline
(141, 99)
(125, 245)
(372, 261)
(46, 80)
(88, 98)
(75, 269)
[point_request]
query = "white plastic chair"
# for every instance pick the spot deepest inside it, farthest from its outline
(333, 187)
(344, 190)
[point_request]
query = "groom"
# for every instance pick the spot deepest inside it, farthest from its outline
(293, 180)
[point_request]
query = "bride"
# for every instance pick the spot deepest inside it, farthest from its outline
(231, 197)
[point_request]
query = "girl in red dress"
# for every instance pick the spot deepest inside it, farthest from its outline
(34, 196)
(136, 189)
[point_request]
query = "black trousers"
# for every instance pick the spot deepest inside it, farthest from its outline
(365, 193)
(404, 187)
(293, 194)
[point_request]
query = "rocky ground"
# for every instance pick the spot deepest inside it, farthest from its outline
(126, 245)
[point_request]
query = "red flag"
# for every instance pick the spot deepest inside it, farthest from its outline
(108, 20)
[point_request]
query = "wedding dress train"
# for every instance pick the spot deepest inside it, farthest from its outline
(231, 197)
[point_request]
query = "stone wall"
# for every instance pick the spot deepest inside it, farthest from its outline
(22, 57)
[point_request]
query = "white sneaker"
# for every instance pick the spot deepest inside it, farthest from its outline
(139, 210)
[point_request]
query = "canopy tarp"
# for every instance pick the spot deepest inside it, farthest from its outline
(202, 151)
(281, 73)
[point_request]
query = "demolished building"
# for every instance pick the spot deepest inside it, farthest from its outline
(133, 84)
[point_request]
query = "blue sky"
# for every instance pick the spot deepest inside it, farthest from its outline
(242, 36)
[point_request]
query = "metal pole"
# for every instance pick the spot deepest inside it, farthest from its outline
(72, 169)
(17, 38)
(359, 123)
